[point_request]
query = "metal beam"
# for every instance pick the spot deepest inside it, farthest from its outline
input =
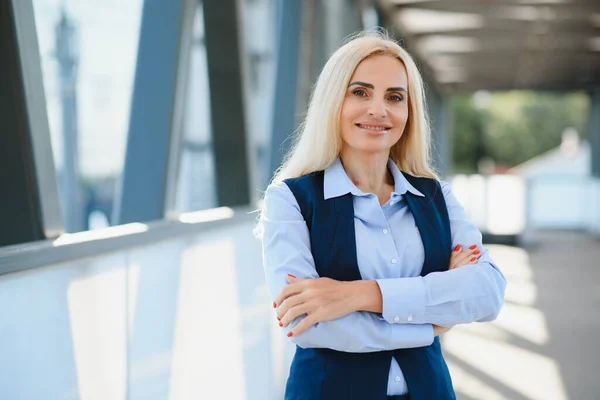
(156, 111)
(29, 206)
(224, 57)
(502, 9)
(594, 131)
(286, 79)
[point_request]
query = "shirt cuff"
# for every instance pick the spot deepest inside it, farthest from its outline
(403, 300)
(418, 336)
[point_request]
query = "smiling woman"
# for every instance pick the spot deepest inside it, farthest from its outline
(368, 255)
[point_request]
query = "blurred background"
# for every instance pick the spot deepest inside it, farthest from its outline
(137, 138)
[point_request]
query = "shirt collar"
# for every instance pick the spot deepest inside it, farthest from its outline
(337, 183)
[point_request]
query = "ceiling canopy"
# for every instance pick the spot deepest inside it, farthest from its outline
(501, 44)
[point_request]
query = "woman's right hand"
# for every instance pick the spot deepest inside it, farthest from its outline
(460, 258)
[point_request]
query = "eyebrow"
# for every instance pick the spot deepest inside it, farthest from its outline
(370, 86)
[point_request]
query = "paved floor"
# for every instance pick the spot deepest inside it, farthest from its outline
(545, 343)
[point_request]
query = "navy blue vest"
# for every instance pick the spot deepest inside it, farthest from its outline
(325, 374)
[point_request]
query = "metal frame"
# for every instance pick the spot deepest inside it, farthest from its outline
(594, 131)
(152, 161)
(43, 253)
(286, 80)
(225, 71)
(30, 208)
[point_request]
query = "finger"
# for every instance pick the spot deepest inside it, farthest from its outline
(286, 292)
(462, 258)
(459, 258)
(453, 255)
(293, 313)
(288, 304)
(306, 323)
(292, 278)
(474, 259)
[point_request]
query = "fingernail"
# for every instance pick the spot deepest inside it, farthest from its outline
(473, 259)
(274, 305)
(290, 334)
(472, 247)
(476, 252)
(278, 319)
(293, 276)
(457, 248)
(281, 324)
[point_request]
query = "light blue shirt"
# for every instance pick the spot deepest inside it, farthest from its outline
(389, 251)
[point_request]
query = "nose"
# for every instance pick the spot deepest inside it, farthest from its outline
(377, 109)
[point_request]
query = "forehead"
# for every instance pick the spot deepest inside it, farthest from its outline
(383, 69)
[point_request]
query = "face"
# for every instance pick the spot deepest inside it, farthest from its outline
(375, 108)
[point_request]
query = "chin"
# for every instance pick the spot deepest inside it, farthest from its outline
(372, 148)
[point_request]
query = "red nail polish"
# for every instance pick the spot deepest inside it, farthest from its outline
(290, 334)
(281, 324)
(274, 305)
(278, 319)
(476, 252)
(457, 247)
(473, 259)
(293, 276)
(472, 247)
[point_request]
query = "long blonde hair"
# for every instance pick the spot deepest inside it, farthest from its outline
(317, 142)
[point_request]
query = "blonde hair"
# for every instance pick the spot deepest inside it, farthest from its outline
(317, 142)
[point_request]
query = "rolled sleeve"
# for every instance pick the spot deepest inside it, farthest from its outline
(404, 300)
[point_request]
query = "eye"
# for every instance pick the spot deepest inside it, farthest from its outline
(359, 92)
(396, 98)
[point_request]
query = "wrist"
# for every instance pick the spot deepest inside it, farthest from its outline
(366, 296)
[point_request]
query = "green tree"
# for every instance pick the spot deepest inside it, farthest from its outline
(514, 127)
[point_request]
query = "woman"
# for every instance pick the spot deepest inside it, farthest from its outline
(362, 242)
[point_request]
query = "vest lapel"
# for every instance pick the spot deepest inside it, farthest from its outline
(428, 229)
(342, 255)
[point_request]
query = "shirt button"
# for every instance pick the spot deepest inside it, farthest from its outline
(410, 318)
(397, 319)
(394, 261)
(397, 379)
(385, 231)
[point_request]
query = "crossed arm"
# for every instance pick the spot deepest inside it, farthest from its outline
(322, 312)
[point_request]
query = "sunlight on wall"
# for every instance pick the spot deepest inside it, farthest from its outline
(207, 350)
(103, 233)
(97, 314)
(504, 351)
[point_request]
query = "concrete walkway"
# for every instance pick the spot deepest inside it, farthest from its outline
(545, 344)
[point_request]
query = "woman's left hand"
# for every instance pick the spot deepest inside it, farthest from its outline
(321, 299)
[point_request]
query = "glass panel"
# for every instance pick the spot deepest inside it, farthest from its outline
(260, 33)
(196, 187)
(88, 51)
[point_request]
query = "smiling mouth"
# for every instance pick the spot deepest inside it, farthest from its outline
(375, 128)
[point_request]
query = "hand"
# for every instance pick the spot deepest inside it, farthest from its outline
(321, 299)
(460, 258)
(439, 330)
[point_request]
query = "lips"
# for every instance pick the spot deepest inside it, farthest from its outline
(374, 127)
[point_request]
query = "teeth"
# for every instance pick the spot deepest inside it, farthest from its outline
(373, 128)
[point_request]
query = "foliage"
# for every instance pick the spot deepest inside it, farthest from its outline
(514, 126)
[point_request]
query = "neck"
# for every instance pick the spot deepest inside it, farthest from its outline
(368, 171)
